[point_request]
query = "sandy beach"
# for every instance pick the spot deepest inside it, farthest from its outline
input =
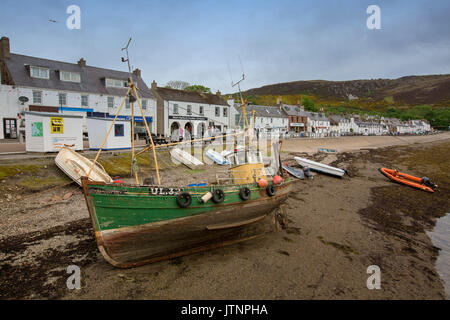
(337, 228)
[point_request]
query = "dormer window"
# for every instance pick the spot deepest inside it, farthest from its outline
(39, 72)
(69, 76)
(116, 83)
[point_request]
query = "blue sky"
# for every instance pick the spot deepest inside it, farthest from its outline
(277, 41)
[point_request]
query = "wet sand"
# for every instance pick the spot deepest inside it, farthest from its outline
(337, 228)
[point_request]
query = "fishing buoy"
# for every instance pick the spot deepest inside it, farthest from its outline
(205, 198)
(118, 181)
(262, 183)
(277, 179)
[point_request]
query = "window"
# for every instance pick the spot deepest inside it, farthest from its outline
(189, 109)
(37, 96)
(115, 83)
(217, 112)
(175, 109)
(144, 104)
(200, 110)
(127, 103)
(225, 112)
(84, 101)
(62, 99)
(119, 130)
(37, 72)
(110, 102)
(69, 76)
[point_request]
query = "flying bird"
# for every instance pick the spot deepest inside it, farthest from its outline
(54, 21)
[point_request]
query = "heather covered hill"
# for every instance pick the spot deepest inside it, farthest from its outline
(411, 90)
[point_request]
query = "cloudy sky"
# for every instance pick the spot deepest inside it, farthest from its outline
(277, 41)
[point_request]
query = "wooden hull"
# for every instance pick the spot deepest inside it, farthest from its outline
(135, 241)
(320, 167)
(186, 158)
(405, 179)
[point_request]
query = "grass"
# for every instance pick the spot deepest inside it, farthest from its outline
(10, 170)
(35, 183)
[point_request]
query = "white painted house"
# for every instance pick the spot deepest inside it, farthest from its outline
(189, 114)
(42, 85)
(267, 118)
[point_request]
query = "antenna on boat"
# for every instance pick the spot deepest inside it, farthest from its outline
(128, 58)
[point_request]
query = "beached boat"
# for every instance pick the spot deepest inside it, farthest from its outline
(186, 158)
(76, 166)
(325, 150)
(136, 224)
(299, 174)
(419, 183)
(216, 157)
(320, 167)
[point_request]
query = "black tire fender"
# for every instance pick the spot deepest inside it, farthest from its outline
(270, 189)
(244, 193)
(218, 196)
(184, 199)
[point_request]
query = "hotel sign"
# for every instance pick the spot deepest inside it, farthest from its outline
(188, 118)
(297, 124)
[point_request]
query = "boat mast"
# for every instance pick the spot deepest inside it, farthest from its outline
(133, 95)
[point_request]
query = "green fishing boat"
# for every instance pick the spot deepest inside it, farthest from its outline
(141, 223)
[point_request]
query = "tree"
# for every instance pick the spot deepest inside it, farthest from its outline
(198, 87)
(177, 84)
(308, 104)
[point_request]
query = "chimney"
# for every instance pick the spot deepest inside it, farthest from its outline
(4, 48)
(154, 85)
(137, 72)
(82, 63)
(218, 93)
(279, 101)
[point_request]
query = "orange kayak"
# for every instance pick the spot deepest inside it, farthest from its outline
(420, 183)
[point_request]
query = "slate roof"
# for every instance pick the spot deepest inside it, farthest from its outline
(189, 96)
(293, 110)
(92, 78)
(265, 111)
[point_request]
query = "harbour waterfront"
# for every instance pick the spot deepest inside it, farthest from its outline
(337, 228)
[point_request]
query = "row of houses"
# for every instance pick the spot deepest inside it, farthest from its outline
(77, 89)
(295, 120)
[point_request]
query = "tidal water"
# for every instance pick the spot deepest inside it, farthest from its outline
(440, 236)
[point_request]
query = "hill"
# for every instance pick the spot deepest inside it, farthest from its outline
(407, 97)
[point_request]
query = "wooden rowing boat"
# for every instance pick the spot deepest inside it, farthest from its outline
(320, 167)
(419, 183)
(76, 166)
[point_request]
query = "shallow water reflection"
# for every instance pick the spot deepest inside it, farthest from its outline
(440, 237)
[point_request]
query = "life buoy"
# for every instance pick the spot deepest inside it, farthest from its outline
(184, 199)
(270, 190)
(218, 196)
(244, 193)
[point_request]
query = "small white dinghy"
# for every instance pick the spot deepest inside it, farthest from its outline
(216, 157)
(76, 166)
(320, 167)
(185, 158)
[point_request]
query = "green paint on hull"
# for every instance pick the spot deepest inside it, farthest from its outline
(119, 206)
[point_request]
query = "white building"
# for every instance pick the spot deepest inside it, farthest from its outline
(318, 124)
(266, 118)
(189, 113)
(42, 85)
